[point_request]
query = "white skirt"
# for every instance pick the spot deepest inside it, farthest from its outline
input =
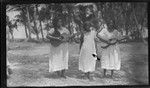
(86, 61)
(58, 59)
(110, 58)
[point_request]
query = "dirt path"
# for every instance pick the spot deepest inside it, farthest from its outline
(30, 67)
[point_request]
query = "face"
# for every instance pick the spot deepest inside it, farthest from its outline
(60, 23)
(87, 28)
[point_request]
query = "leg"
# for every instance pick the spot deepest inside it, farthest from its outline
(104, 72)
(9, 71)
(58, 73)
(89, 77)
(63, 73)
(112, 72)
(84, 76)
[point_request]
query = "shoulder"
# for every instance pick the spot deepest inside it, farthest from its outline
(103, 31)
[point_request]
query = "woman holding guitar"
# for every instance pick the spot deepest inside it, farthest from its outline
(110, 57)
(58, 60)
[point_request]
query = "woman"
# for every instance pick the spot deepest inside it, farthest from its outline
(65, 45)
(86, 60)
(58, 61)
(110, 59)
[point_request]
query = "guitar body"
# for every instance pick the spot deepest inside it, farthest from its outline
(113, 42)
(65, 37)
(103, 44)
(55, 39)
(55, 42)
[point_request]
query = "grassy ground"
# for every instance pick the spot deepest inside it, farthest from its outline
(30, 67)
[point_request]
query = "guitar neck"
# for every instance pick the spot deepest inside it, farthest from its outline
(55, 37)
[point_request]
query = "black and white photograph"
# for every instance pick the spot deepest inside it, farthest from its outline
(77, 44)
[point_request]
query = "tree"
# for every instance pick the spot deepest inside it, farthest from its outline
(22, 18)
(139, 14)
(46, 15)
(11, 26)
(28, 22)
(39, 21)
(23, 8)
(35, 22)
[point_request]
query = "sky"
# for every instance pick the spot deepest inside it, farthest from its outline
(21, 32)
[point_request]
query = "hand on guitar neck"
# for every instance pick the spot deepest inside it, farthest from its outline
(67, 37)
(114, 41)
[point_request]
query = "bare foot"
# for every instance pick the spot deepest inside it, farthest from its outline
(84, 76)
(63, 76)
(91, 78)
(105, 76)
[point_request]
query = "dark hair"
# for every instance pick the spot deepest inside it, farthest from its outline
(86, 26)
(56, 23)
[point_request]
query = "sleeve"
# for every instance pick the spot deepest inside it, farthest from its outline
(64, 30)
(51, 31)
(104, 34)
(116, 34)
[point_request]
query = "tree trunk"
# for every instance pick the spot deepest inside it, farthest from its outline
(47, 23)
(41, 30)
(28, 23)
(126, 31)
(40, 23)
(7, 33)
(35, 23)
(69, 21)
(137, 25)
(26, 31)
(12, 36)
(36, 31)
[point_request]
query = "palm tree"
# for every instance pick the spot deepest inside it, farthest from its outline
(7, 28)
(23, 8)
(28, 22)
(40, 21)
(139, 12)
(35, 22)
(45, 16)
(11, 27)
(21, 18)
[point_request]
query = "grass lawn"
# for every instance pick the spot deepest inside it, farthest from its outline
(30, 66)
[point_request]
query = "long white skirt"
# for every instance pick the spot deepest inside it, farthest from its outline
(86, 61)
(110, 58)
(58, 59)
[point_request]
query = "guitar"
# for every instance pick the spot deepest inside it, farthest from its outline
(52, 37)
(65, 37)
(55, 39)
(113, 43)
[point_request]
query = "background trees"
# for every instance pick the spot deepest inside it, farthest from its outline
(127, 18)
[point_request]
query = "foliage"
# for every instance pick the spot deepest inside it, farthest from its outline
(117, 15)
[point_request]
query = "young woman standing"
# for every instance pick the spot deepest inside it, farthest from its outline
(86, 60)
(110, 57)
(58, 60)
